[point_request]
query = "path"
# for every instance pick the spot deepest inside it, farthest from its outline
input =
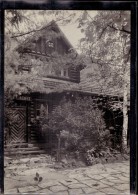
(98, 179)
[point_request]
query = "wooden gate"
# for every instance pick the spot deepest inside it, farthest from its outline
(17, 125)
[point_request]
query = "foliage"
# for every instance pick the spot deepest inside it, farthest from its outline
(106, 42)
(82, 130)
(108, 155)
(38, 178)
(80, 125)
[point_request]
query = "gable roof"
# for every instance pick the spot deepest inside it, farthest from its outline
(53, 23)
(37, 33)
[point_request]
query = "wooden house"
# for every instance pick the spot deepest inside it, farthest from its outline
(26, 108)
(54, 85)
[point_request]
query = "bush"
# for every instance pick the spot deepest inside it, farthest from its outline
(80, 125)
(94, 156)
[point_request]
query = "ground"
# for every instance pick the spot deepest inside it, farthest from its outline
(99, 179)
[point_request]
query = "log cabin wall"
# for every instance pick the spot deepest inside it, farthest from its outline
(74, 75)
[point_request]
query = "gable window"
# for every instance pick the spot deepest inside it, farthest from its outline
(50, 44)
(49, 47)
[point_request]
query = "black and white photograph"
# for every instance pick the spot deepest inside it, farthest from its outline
(67, 102)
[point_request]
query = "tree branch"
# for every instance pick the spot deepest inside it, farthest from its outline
(15, 36)
(19, 35)
(30, 32)
(104, 29)
(122, 30)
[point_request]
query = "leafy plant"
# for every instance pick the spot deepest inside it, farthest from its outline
(79, 124)
(37, 178)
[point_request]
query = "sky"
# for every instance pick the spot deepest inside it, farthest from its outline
(73, 33)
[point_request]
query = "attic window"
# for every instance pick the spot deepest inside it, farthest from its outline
(50, 44)
(49, 47)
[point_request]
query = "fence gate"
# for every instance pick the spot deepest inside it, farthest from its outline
(17, 125)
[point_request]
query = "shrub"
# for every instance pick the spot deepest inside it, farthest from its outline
(80, 126)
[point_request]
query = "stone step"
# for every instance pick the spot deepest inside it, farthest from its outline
(21, 149)
(13, 153)
(21, 145)
(16, 145)
(31, 145)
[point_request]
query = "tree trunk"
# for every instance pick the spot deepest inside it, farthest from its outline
(58, 149)
(125, 113)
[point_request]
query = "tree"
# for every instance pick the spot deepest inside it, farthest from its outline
(107, 44)
(79, 123)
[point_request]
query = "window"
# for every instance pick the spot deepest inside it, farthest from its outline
(55, 72)
(59, 73)
(49, 45)
(41, 109)
(64, 72)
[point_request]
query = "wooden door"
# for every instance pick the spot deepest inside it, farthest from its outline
(17, 125)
